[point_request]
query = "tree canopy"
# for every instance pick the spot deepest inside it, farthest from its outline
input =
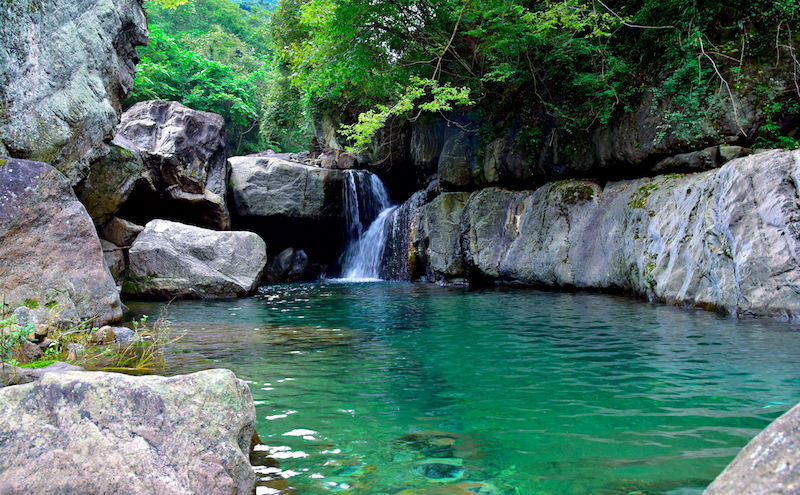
(269, 66)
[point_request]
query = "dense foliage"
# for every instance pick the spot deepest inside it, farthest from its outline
(266, 66)
(216, 56)
(575, 62)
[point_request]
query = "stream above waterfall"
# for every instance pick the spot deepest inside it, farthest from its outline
(390, 388)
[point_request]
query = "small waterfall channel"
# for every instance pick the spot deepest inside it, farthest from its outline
(366, 202)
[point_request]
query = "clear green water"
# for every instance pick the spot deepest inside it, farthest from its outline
(423, 388)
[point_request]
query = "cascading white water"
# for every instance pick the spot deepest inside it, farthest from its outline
(366, 201)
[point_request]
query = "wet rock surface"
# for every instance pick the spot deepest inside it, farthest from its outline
(769, 464)
(73, 62)
(186, 171)
(92, 432)
(725, 239)
(169, 259)
(50, 255)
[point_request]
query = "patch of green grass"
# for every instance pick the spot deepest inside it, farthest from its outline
(31, 303)
(42, 363)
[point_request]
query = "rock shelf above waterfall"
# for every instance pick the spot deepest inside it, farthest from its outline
(273, 187)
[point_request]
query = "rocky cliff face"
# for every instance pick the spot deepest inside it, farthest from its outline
(65, 67)
(727, 239)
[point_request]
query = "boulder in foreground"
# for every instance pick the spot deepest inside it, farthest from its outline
(93, 433)
(768, 465)
(170, 259)
(50, 255)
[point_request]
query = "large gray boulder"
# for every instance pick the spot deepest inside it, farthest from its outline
(272, 187)
(170, 259)
(728, 239)
(95, 433)
(50, 255)
(186, 172)
(290, 204)
(768, 465)
(111, 180)
(66, 66)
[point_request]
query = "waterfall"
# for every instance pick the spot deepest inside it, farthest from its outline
(366, 202)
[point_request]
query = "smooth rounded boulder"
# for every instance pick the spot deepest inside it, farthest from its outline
(50, 254)
(272, 187)
(186, 171)
(170, 259)
(93, 433)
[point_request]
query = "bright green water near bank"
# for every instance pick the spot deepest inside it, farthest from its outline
(380, 388)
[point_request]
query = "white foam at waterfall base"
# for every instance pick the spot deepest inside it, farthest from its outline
(362, 259)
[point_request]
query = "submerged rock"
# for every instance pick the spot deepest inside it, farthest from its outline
(768, 465)
(169, 259)
(50, 255)
(186, 172)
(82, 432)
(65, 69)
(728, 239)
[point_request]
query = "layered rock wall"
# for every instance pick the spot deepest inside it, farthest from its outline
(727, 239)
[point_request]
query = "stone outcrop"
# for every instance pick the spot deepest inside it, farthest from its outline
(65, 69)
(727, 239)
(16, 375)
(768, 465)
(50, 255)
(186, 171)
(169, 259)
(290, 204)
(114, 258)
(111, 180)
(121, 232)
(272, 187)
(91, 432)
